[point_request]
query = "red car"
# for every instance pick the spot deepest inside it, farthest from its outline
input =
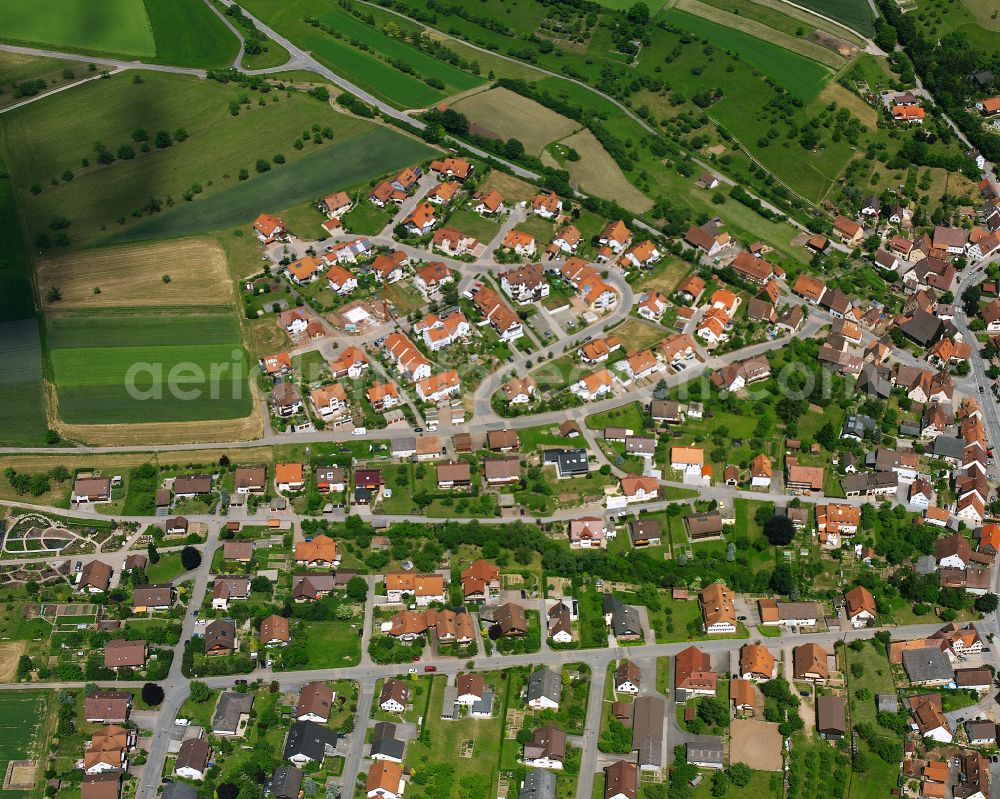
(430, 668)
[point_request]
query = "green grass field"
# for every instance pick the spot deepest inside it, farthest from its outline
(853, 13)
(45, 138)
(22, 714)
(334, 167)
(112, 26)
(180, 32)
(202, 41)
(134, 381)
(22, 404)
(364, 52)
(165, 569)
(802, 77)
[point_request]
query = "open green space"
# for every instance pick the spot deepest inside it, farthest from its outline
(22, 715)
(22, 405)
(179, 32)
(385, 65)
(332, 168)
(52, 145)
(188, 33)
(854, 14)
(800, 76)
(117, 376)
(165, 569)
(112, 26)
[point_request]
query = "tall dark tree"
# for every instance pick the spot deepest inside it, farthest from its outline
(152, 694)
(190, 558)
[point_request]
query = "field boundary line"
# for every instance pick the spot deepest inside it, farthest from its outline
(758, 30)
(110, 62)
(828, 19)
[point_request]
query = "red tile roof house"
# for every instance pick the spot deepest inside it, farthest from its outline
(270, 229)
(389, 268)
(340, 280)
(520, 242)
(457, 168)
(430, 278)
(546, 205)
(616, 236)
(336, 205)
(421, 219)
(453, 242)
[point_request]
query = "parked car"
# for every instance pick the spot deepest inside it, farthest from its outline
(435, 668)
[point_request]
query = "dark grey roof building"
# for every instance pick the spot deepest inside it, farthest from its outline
(538, 784)
(229, 710)
(568, 462)
(284, 783)
(928, 666)
(385, 744)
(543, 684)
(308, 741)
(179, 790)
(706, 751)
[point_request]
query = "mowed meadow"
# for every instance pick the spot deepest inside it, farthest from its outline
(179, 32)
(22, 399)
(48, 141)
(346, 163)
(365, 54)
(22, 717)
(148, 366)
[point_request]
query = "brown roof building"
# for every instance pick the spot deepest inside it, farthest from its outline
(275, 630)
(120, 654)
(107, 707)
(693, 672)
(809, 662)
(509, 620)
(315, 702)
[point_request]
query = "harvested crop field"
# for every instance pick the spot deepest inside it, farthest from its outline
(512, 188)
(134, 276)
(204, 432)
(597, 173)
(10, 652)
(510, 116)
(756, 743)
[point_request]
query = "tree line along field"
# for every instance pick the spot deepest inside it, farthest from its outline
(365, 53)
(91, 356)
(179, 32)
(48, 141)
(665, 63)
(17, 70)
(22, 405)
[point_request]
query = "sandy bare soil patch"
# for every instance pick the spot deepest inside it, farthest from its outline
(10, 653)
(756, 743)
